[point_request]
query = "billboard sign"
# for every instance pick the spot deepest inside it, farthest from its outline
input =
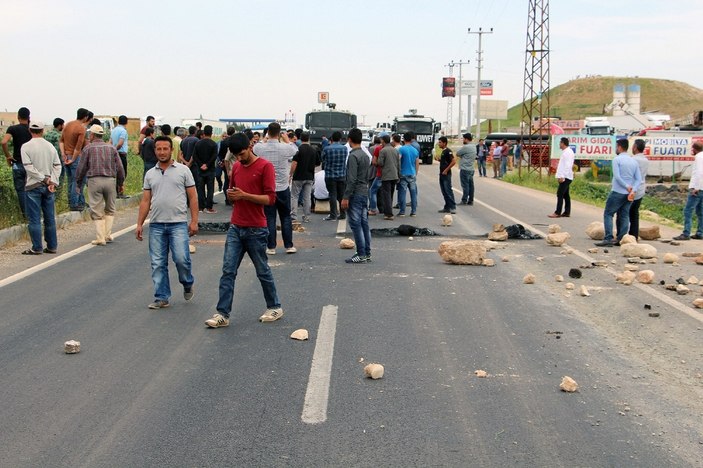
(593, 147)
(486, 87)
(323, 97)
(448, 86)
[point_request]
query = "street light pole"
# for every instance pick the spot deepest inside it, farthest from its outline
(460, 63)
(480, 33)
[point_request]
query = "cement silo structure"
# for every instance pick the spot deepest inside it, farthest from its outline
(633, 98)
(618, 97)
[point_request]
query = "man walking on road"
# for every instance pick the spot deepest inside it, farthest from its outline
(643, 163)
(389, 162)
(694, 203)
(101, 165)
(626, 181)
(356, 199)
(72, 142)
(446, 162)
(20, 135)
(43, 167)
(302, 173)
(565, 175)
(334, 162)
(169, 191)
(409, 167)
(205, 154)
(252, 186)
(467, 158)
(278, 153)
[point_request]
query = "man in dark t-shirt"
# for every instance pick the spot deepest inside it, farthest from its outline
(148, 152)
(20, 135)
(302, 171)
(205, 158)
(446, 162)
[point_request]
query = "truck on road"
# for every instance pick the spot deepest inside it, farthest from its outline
(424, 128)
(322, 123)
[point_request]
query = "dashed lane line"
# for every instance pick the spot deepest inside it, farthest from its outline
(317, 394)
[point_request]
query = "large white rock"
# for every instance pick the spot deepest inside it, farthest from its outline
(462, 252)
(72, 347)
(626, 277)
(628, 239)
(558, 238)
(529, 279)
(347, 243)
(649, 233)
(568, 384)
(301, 334)
(645, 276)
(374, 371)
(553, 228)
(595, 230)
(670, 257)
(638, 250)
(498, 236)
(447, 220)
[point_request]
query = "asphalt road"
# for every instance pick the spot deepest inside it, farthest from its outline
(157, 388)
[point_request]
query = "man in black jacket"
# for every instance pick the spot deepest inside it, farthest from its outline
(205, 157)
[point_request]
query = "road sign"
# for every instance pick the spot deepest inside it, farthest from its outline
(486, 87)
(323, 97)
(469, 88)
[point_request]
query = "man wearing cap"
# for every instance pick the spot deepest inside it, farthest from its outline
(118, 138)
(20, 135)
(43, 167)
(467, 157)
(101, 165)
(71, 143)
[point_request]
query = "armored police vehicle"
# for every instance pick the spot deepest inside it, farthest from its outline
(424, 128)
(322, 123)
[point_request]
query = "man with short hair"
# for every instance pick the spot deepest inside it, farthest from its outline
(626, 181)
(180, 132)
(389, 162)
(185, 156)
(20, 135)
(565, 175)
(302, 174)
(467, 158)
(334, 162)
(169, 189)
(446, 162)
(100, 164)
(643, 163)
(482, 153)
(53, 136)
(505, 158)
(71, 143)
(149, 123)
(252, 186)
(694, 203)
(205, 156)
(148, 152)
(409, 167)
(43, 167)
(119, 138)
(222, 155)
(355, 199)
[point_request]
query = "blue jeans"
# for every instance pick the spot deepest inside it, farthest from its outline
(467, 185)
(409, 182)
(373, 194)
(241, 240)
(445, 185)
(74, 199)
(40, 202)
(482, 166)
(503, 165)
(165, 237)
(694, 203)
(616, 203)
(19, 180)
(359, 224)
(282, 206)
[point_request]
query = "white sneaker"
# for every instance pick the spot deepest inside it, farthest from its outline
(270, 251)
(271, 315)
(217, 321)
(291, 250)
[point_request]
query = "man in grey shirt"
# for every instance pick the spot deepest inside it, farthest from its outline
(356, 198)
(389, 162)
(467, 156)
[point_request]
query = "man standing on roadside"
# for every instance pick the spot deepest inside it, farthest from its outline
(565, 175)
(302, 173)
(334, 162)
(446, 162)
(20, 135)
(72, 142)
(643, 163)
(119, 138)
(626, 181)
(389, 162)
(148, 152)
(169, 190)
(409, 167)
(467, 158)
(101, 165)
(252, 186)
(205, 156)
(694, 203)
(482, 153)
(355, 200)
(43, 167)
(278, 153)
(150, 123)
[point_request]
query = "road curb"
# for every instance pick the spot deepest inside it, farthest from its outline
(17, 233)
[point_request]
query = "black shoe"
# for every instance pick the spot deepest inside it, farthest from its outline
(329, 218)
(342, 216)
(470, 203)
(442, 211)
(565, 215)
(605, 244)
(681, 237)
(696, 236)
(214, 202)
(452, 211)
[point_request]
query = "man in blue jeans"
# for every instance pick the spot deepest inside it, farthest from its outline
(20, 135)
(694, 203)
(355, 198)
(169, 192)
(409, 166)
(252, 186)
(626, 181)
(467, 158)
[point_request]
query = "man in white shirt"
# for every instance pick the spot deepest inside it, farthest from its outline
(695, 197)
(565, 174)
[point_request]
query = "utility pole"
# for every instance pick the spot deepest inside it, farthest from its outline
(480, 33)
(450, 101)
(460, 63)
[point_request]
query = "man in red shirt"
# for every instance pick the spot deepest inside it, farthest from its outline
(252, 185)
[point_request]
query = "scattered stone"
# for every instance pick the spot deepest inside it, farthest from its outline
(498, 236)
(498, 228)
(72, 347)
(662, 282)
(347, 243)
(568, 384)
(553, 229)
(600, 263)
(411, 238)
(649, 233)
(559, 279)
(628, 239)
(374, 371)
(583, 291)
(529, 279)
(567, 252)
(191, 248)
(653, 314)
(680, 281)
(671, 287)
(558, 238)
(638, 250)
(300, 334)
(626, 277)
(297, 227)
(691, 254)
(462, 252)
(595, 230)
(489, 262)
(593, 250)
(447, 220)
(629, 267)
(670, 257)
(636, 260)
(682, 290)
(505, 259)
(692, 280)
(539, 259)
(698, 303)
(575, 273)
(569, 286)
(647, 307)
(481, 374)
(645, 276)
(675, 243)
(606, 251)
(699, 260)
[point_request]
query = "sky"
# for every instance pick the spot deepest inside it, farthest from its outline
(253, 59)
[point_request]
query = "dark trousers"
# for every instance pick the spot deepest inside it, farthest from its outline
(335, 187)
(563, 198)
(206, 188)
(282, 207)
(387, 188)
(445, 185)
(123, 158)
(467, 185)
(635, 218)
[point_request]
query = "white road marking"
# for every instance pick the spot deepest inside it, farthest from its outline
(341, 227)
(317, 394)
(691, 312)
(30, 271)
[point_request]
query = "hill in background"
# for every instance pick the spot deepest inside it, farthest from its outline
(585, 97)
